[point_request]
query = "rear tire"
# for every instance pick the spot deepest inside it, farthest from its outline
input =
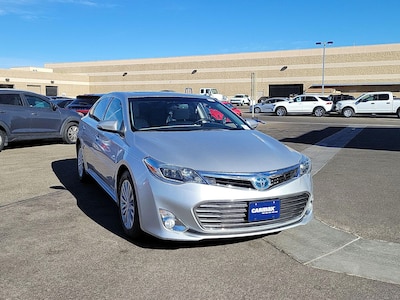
(398, 113)
(319, 111)
(128, 210)
(281, 111)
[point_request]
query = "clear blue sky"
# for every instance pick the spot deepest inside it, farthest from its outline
(35, 32)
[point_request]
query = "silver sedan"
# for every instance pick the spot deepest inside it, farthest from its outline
(185, 167)
(267, 105)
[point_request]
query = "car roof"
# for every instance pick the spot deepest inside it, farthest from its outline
(157, 95)
(18, 91)
(15, 91)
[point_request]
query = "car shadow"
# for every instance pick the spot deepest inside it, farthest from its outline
(99, 207)
(33, 143)
(387, 139)
(313, 137)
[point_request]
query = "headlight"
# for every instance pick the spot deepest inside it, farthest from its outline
(172, 173)
(305, 165)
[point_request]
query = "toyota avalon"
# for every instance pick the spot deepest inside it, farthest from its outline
(168, 165)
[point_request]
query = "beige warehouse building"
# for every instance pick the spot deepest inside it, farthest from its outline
(351, 70)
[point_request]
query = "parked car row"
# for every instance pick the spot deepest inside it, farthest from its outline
(302, 104)
(368, 103)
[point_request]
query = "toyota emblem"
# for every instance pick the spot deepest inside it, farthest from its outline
(261, 183)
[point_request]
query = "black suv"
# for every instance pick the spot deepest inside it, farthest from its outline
(336, 98)
(83, 103)
(262, 99)
(29, 116)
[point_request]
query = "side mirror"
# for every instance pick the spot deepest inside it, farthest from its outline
(110, 126)
(252, 123)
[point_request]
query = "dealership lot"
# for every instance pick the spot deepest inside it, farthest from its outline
(61, 239)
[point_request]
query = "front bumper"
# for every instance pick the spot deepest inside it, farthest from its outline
(208, 211)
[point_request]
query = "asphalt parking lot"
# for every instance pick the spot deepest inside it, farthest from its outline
(61, 239)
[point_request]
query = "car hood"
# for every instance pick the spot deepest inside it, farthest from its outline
(217, 151)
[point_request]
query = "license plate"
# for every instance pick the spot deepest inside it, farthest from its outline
(264, 210)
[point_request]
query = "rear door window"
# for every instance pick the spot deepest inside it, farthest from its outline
(10, 99)
(383, 97)
(37, 102)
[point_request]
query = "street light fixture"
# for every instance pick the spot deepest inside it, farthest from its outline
(323, 61)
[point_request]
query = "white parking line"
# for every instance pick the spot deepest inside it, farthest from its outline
(322, 152)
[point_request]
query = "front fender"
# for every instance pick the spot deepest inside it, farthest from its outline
(4, 127)
(68, 121)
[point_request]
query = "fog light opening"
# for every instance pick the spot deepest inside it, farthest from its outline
(309, 208)
(171, 222)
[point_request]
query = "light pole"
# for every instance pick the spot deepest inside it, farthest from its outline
(323, 61)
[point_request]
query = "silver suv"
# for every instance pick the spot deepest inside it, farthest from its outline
(29, 116)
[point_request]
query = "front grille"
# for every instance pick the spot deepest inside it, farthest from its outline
(278, 179)
(232, 182)
(234, 215)
(246, 180)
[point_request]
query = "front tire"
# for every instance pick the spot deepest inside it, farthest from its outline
(128, 211)
(2, 139)
(82, 174)
(71, 133)
(281, 111)
(348, 112)
(257, 110)
(319, 111)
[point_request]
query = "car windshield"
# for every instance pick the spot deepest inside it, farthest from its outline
(180, 113)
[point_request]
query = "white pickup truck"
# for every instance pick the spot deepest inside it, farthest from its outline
(370, 103)
(213, 92)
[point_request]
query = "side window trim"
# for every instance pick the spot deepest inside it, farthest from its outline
(98, 111)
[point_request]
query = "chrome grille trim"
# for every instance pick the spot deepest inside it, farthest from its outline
(225, 215)
(245, 180)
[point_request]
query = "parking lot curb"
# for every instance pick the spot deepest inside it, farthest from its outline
(324, 247)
